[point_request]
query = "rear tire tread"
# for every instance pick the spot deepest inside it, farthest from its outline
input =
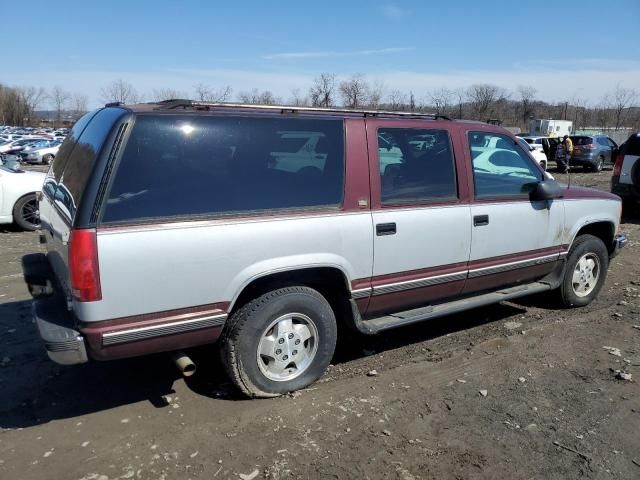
(231, 333)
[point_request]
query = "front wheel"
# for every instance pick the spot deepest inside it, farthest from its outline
(26, 212)
(47, 159)
(585, 272)
(280, 342)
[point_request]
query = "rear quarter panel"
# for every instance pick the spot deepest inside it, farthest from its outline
(165, 267)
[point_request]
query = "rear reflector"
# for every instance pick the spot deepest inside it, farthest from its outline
(617, 167)
(83, 265)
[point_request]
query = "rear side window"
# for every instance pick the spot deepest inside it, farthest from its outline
(177, 165)
(582, 140)
(79, 165)
(415, 165)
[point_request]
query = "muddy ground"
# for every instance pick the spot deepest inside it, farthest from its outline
(553, 407)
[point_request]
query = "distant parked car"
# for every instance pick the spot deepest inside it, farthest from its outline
(538, 155)
(625, 181)
(41, 153)
(18, 202)
(592, 152)
(17, 146)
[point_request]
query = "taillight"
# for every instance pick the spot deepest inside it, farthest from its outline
(83, 265)
(589, 146)
(617, 167)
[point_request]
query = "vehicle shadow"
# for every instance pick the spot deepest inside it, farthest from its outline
(34, 390)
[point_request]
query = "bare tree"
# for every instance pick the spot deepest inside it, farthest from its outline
(59, 99)
(297, 99)
(397, 100)
(355, 91)
(322, 90)
(483, 99)
(32, 98)
(79, 102)
(621, 100)
(168, 94)
(440, 99)
(527, 96)
(120, 91)
(376, 92)
(459, 94)
(258, 97)
(204, 93)
(412, 102)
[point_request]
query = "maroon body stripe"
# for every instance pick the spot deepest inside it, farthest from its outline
(95, 331)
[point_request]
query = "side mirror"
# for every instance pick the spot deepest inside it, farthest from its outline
(546, 190)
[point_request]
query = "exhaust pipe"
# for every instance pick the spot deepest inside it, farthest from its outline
(184, 364)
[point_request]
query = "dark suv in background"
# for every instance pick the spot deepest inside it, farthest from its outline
(593, 151)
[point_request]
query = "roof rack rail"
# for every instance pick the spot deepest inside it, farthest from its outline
(113, 104)
(172, 104)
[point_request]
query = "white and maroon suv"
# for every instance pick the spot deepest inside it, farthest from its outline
(177, 224)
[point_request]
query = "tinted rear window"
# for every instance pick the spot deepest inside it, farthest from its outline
(632, 145)
(68, 144)
(186, 165)
(81, 160)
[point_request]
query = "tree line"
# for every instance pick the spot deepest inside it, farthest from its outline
(616, 109)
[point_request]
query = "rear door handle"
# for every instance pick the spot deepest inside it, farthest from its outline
(480, 220)
(385, 229)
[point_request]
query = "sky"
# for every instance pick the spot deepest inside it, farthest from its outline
(566, 50)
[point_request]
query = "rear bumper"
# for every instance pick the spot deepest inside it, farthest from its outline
(69, 341)
(63, 343)
(627, 191)
(619, 242)
(56, 324)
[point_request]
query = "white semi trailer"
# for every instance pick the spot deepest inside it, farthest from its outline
(550, 128)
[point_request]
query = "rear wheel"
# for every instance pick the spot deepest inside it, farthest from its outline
(543, 164)
(585, 272)
(47, 159)
(26, 212)
(280, 342)
(599, 164)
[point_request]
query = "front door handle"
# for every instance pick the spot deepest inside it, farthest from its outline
(480, 220)
(385, 229)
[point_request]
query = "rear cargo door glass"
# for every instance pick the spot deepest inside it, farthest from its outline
(178, 165)
(79, 165)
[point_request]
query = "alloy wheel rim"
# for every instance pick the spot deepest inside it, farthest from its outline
(31, 213)
(287, 347)
(586, 274)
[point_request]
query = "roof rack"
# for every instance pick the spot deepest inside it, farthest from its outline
(177, 103)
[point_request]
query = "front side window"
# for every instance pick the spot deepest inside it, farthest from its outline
(180, 165)
(500, 166)
(416, 165)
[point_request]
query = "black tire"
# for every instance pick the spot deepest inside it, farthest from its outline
(543, 164)
(599, 165)
(244, 331)
(26, 213)
(47, 159)
(584, 246)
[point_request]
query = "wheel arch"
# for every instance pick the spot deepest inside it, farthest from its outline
(603, 229)
(15, 202)
(331, 281)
